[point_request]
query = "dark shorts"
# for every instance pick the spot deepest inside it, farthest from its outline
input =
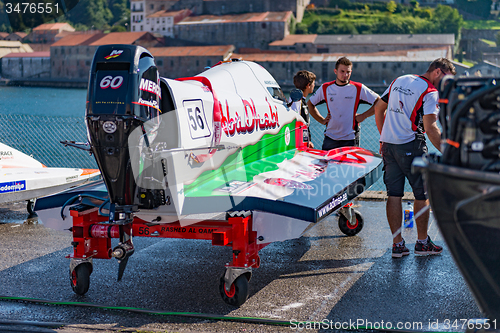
(329, 143)
(397, 165)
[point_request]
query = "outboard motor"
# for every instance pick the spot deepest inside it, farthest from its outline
(123, 94)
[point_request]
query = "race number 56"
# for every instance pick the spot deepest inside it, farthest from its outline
(113, 82)
(198, 126)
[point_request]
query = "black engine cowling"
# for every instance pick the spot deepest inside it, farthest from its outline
(123, 95)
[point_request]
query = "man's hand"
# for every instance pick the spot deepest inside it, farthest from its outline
(327, 119)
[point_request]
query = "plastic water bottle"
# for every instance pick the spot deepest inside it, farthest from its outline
(408, 217)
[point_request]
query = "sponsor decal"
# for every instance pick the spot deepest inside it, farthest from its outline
(153, 104)
(283, 182)
(113, 82)
(287, 136)
(249, 121)
(5, 153)
(114, 54)
(334, 203)
(71, 178)
(235, 187)
(109, 127)
(271, 83)
(13, 186)
(349, 97)
(150, 86)
(403, 91)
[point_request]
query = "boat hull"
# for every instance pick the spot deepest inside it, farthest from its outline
(466, 204)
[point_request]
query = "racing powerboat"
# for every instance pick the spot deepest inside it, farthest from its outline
(24, 178)
(219, 156)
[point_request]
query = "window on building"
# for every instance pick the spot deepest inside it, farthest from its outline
(355, 65)
(159, 62)
(133, 28)
(163, 20)
(87, 63)
(141, 27)
(384, 65)
(158, 21)
(283, 65)
(163, 29)
(324, 71)
(197, 63)
(414, 65)
(209, 62)
(303, 46)
(152, 6)
(147, 21)
(369, 65)
(133, 7)
(171, 63)
(55, 51)
(152, 28)
(264, 25)
(270, 65)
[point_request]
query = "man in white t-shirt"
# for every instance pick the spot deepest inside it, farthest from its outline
(406, 108)
(342, 98)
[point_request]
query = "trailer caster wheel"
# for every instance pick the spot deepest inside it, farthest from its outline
(30, 207)
(80, 279)
(238, 294)
(351, 229)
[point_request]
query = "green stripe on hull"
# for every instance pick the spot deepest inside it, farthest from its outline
(246, 163)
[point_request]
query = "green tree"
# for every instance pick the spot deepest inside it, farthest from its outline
(91, 13)
(119, 10)
(447, 20)
(480, 8)
(391, 6)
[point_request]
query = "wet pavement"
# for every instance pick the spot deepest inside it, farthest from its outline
(344, 283)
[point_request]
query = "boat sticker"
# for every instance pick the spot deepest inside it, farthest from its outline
(113, 82)
(335, 203)
(287, 183)
(114, 54)
(71, 179)
(198, 125)
(109, 127)
(15, 186)
(287, 136)
(150, 86)
(235, 187)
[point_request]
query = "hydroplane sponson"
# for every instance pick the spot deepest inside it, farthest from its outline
(464, 185)
(24, 178)
(218, 156)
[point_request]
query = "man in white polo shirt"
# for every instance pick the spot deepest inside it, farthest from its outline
(342, 98)
(406, 108)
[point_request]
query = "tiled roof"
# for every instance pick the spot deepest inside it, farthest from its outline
(186, 51)
(52, 26)
(427, 39)
(78, 39)
(28, 55)
(165, 13)
(120, 38)
(247, 17)
(427, 54)
(291, 40)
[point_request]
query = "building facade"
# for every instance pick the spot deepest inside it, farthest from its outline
(26, 65)
(362, 43)
(251, 30)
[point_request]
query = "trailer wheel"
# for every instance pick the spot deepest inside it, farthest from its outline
(80, 279)
(351, 229)
(30, 207)
(238, 294)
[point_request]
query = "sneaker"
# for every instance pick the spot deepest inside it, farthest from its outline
(427, 249)
(399, 250)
